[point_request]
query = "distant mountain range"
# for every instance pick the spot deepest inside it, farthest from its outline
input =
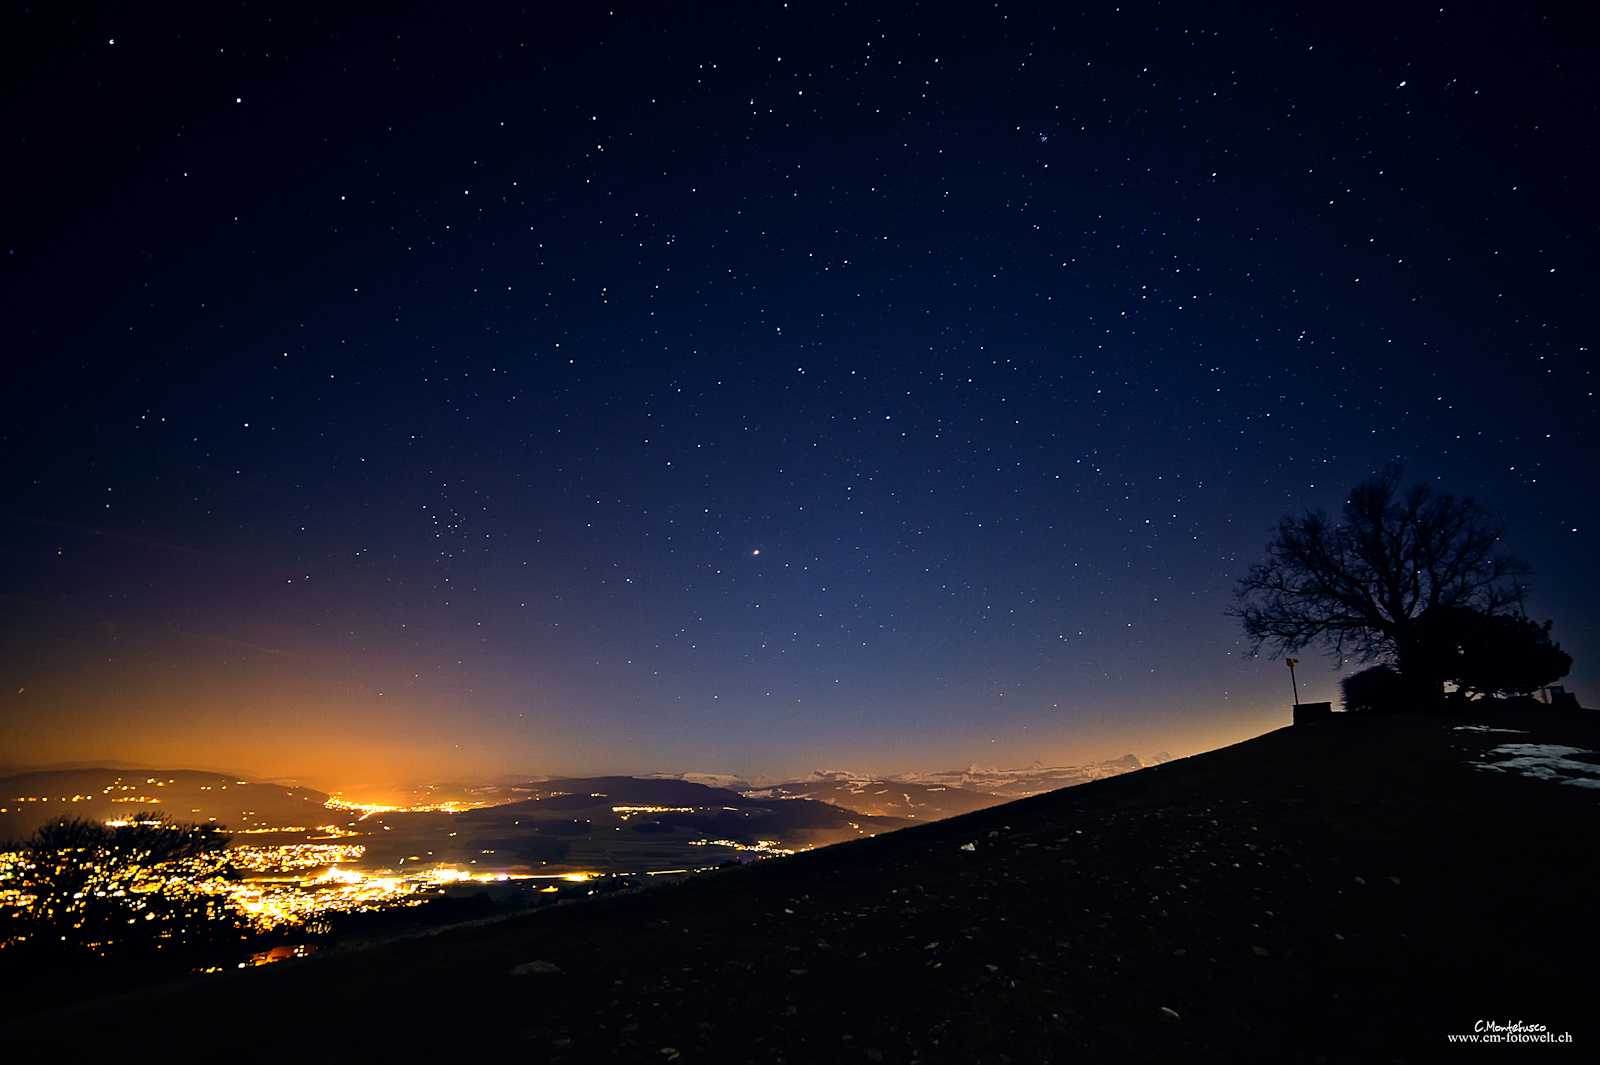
(1034, 780)
(923, 795)
(29, 800)
(885, 798)
(577, 824)
(601, 823)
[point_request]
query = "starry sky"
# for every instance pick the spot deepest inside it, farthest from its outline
(757, 388)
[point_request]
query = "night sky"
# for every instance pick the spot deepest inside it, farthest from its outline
(756, 389)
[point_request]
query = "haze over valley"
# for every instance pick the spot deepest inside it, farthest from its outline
(546, 827)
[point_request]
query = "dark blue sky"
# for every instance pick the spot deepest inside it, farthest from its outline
(750, 390)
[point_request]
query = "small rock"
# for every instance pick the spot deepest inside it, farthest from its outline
(1180, 952)
(1260, 951)
(1337, 936)
(1168, 1015)
(969, 846)
(1360, 881)
(530, 967)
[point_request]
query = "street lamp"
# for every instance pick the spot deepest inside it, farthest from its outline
(1292, 663)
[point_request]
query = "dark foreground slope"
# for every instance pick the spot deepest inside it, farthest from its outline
(1345, 892)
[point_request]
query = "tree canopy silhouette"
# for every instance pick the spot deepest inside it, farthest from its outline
(1490, 654)
(109, 890)
(1361, 586)
(1374, 690)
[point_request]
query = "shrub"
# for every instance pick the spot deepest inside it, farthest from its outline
(1375, 690)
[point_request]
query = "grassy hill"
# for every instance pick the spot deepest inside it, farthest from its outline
(1350, 891)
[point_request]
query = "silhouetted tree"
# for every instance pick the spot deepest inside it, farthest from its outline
(1360, 586)
(113, 889)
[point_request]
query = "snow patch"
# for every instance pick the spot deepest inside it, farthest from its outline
(1545, 761)
(1486, 728)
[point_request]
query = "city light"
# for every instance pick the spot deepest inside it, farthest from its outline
(368, 809)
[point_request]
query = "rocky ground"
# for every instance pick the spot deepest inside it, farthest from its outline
(1350, 891)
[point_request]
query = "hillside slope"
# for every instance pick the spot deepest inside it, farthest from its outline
(1353, 891)
(29, 800)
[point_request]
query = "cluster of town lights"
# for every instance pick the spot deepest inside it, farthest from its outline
(303, 885)
(369, 808)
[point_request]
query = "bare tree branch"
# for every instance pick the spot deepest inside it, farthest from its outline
(1359, 586)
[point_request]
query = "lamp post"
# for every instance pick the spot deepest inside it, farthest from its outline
(1292, 663)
